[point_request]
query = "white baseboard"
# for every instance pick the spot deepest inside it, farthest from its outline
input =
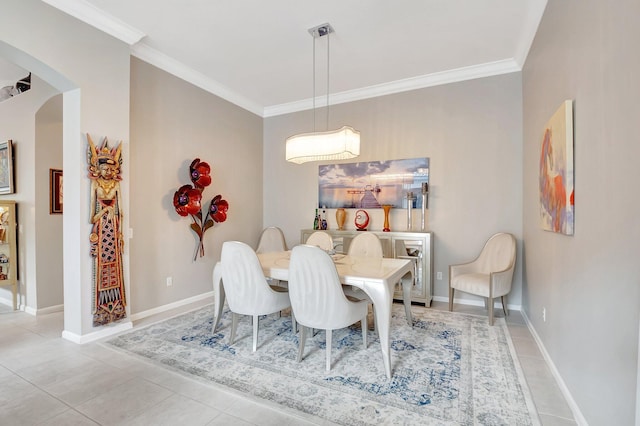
(7, 302)
(50, 310)
(113, 328)
(577, 414)
(32, 311)
(42, 311)
(168, 307)
(479, 302)
(105, 331)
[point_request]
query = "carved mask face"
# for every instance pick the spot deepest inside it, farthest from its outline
(106, 171)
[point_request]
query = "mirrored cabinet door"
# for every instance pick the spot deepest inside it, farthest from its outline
(415, 246)
(8, 252)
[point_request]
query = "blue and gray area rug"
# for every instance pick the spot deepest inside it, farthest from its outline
(448, 369)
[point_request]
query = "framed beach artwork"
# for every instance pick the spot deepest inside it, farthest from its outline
(370, 185)
(6, 167)
(55, 191)
(556, 172)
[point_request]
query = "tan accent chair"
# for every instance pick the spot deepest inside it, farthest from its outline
(490, 275)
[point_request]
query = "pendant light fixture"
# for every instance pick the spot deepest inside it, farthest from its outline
(340, 144)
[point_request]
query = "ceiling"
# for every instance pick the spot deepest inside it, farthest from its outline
(258, 54)
(10, 73)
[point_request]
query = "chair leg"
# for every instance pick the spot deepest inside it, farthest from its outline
(328, 344)
(294, 324)
(375, 321)
(451, 291)
(301, 339)
(504, 307)
(255, 332)
(490, 311)
(234, 324)
(364, 331)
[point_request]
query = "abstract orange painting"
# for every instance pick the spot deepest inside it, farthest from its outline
(556, 172)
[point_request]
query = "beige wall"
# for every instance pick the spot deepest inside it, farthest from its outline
(472, 133)
(18, 123)
(72, 57)
(48, 244)
(173, 122)
(483, 177)
(589, 283)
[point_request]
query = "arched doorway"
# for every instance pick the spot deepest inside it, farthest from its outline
(71, 141)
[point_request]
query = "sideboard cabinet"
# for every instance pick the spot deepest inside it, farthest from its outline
(416, 246)
(8, 252)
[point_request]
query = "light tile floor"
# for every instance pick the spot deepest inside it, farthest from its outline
(46, 380)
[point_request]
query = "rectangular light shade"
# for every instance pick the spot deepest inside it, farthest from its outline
(341, 144)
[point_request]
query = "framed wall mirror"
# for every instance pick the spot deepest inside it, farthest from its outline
(6, 168)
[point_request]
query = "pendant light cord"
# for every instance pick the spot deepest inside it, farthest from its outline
(314, 84)
(319, 34)
(328, 38)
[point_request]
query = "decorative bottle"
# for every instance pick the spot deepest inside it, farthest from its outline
(316, 224)
(324, 219)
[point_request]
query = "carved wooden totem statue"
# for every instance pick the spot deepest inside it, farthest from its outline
(107, 243)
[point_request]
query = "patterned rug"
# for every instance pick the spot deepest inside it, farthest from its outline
(448, 369)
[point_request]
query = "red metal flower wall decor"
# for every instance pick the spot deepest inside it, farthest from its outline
(187, 202)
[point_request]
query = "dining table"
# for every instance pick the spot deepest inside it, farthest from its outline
(377, 277)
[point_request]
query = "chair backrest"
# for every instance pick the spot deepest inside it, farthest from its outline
(498, 254)
(316, 294)
(366, 245)
(245, 285)
(320, 239)
(272, 239)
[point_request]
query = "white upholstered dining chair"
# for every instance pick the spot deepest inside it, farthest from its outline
(246, 288)
(363, 245)
(320, 239)
(366, 244)
(271, 240)
(490, 275)
(317, 298)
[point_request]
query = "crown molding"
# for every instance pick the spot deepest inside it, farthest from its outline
(529, 30)
(177, 68)
(436, 79)
(88, 13)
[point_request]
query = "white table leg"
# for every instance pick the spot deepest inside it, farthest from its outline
(218, 295)
(382, 298)
(407, 283)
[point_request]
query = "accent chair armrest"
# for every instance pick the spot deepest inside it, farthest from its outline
(501, 281)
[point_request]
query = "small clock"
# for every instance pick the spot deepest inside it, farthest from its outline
(361, 220)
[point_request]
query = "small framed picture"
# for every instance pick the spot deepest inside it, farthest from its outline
(6, 168)
(55, 191)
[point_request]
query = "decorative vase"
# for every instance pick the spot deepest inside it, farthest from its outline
(410, 199)
(341, 216)
(386, 209)
(425, 199)
(362, 220)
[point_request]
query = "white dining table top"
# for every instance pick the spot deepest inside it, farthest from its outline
(351, 269)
